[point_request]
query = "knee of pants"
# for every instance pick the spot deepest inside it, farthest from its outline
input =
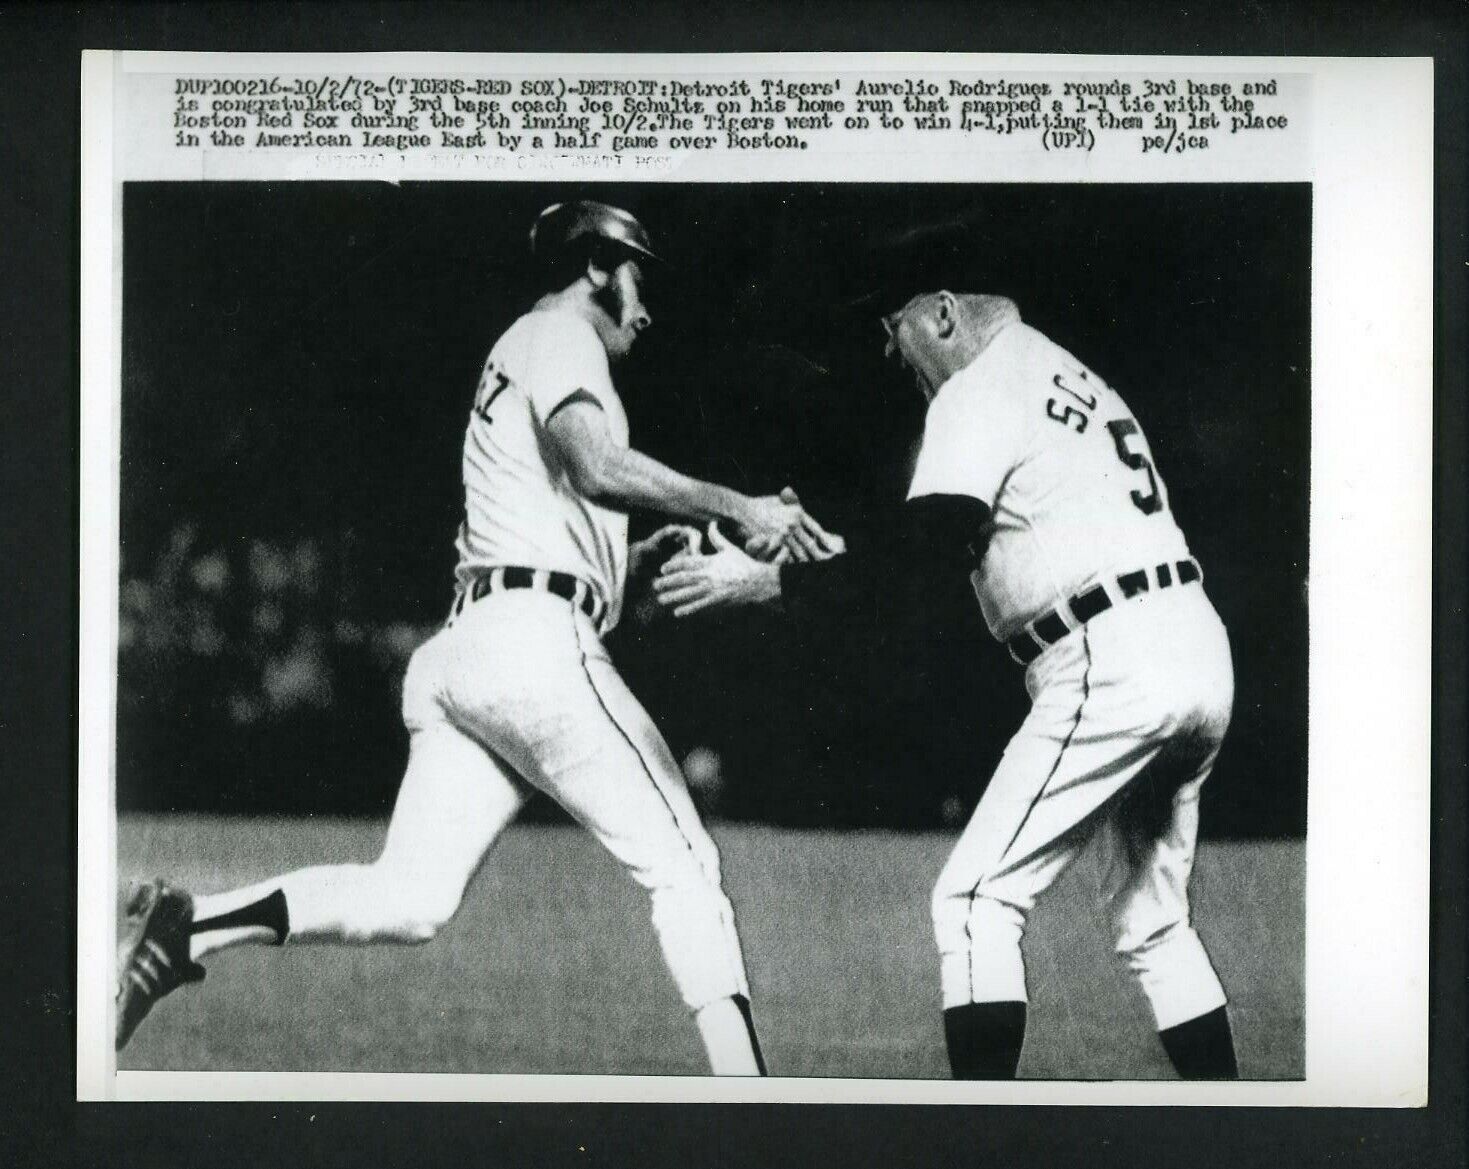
(690, 884)
(1137, 936)
(966, 918)
(693, 904)
(689, 862)
(697, 850)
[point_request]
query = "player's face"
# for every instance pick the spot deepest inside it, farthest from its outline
(623, 304)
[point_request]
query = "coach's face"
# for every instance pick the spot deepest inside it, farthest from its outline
(620, 297)
(918, 336)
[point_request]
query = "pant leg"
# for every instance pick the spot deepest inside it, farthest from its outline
(656, 832)
(566, 721)
(1089, 734)
(455, 800)
(1139, 697)
(1155, 829)
(1000, 866)
(979, 923)
(1146, 900)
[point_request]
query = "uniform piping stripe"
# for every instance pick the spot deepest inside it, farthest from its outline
(648, 771)
(726, 921)
(1056, 766)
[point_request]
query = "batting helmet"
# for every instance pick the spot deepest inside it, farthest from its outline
(562, 228)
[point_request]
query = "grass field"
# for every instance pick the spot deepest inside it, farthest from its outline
(551, 965)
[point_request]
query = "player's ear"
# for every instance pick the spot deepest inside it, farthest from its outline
(945, 315)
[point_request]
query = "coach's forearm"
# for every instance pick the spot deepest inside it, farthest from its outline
(627, 479)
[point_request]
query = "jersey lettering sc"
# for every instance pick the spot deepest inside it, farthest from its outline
(1061, 463)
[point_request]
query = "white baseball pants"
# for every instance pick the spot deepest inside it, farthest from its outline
(520, 691)
(1127, 717)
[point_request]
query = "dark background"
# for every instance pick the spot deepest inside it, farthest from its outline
(298, 364)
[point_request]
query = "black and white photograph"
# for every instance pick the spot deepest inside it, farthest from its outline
(792, 629)
(773, 579)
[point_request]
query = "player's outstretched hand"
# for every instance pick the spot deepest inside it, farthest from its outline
(779, 529)
(646, 557)
(691, 583)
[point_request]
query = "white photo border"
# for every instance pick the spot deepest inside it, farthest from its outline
(1370, 161)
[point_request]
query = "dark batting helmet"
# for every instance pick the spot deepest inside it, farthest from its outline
(577, 230)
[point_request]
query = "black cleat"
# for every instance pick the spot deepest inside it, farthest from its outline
(155, 959)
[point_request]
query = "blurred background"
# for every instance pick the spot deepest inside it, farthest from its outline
(298, 365)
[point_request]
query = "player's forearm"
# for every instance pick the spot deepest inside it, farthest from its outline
(627, 479)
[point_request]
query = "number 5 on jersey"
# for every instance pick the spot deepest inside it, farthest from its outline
(1134, 454)
(1124, 430)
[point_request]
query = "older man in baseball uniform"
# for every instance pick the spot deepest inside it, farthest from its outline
(516, 692)
(1035, 478)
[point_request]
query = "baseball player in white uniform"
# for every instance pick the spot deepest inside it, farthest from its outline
(516, 691)
(1035, 478)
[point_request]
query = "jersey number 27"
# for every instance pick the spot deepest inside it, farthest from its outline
(492, 384)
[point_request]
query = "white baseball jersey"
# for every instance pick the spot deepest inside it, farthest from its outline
(517, 690)
(520, 508)
(1059, 460)
(1128, 711)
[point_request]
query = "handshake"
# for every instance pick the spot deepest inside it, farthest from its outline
(776, 531)
(776, 528)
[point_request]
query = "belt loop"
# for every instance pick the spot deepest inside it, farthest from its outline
(586, 600)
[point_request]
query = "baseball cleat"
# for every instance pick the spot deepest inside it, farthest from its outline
(155, 960)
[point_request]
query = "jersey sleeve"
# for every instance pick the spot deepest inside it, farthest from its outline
(566, 358)
(969, 446)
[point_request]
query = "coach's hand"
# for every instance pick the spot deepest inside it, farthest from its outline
(647, 556)
(691, 583)
(777, 528)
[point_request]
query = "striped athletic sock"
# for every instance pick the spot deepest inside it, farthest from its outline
(268, 913)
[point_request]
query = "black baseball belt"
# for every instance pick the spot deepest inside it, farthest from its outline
(561, 584)
(1049, 628)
